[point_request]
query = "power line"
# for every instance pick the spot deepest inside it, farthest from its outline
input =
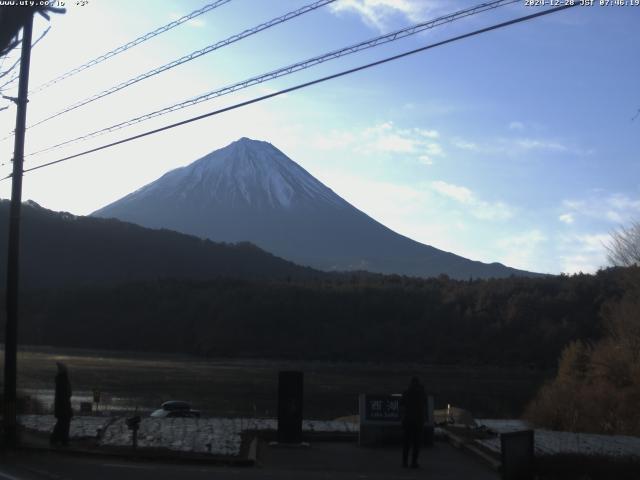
(131, 44)
(187, 58)
(296, 67)
(304, 85)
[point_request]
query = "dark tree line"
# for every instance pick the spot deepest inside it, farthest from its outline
(515, 321)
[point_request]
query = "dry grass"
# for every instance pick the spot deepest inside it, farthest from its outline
(249, 387)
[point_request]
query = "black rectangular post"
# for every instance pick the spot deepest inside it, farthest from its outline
(11, 326)
(290, 400)
(517, 450)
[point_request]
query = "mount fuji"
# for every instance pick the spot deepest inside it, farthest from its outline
(251, 191)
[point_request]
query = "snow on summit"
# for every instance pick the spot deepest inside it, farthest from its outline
(250, 172)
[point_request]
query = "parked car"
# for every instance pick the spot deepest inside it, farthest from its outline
(175, 408)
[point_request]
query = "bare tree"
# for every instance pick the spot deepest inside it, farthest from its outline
(12, 20)
(623, 249)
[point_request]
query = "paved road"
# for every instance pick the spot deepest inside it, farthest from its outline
(326, 461)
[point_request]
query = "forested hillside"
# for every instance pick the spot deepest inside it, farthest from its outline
(525, 321)
(59, 249)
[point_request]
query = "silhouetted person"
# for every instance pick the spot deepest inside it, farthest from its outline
(62, 407)
(414, 401)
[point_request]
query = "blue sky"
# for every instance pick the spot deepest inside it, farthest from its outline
(515, 146)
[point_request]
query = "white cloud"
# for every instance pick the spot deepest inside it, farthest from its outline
(532, 144)
(523, 249)
(385, 138)
(465, 145)
(393, 143)
(377, 13)
(594, 243)
(617, 208)
(428, 133)
(434, 149)
(458, 193)
(586, 252)
(583, 253)
(380, 128)
(480, 209)
(624, 202)
(566, 218)
(516, 126)
(492, 211)
(518, 146)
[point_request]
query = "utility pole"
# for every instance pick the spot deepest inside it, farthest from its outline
(11, 329)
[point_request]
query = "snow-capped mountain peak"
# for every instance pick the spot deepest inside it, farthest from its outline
(250, 172)
(251, 191)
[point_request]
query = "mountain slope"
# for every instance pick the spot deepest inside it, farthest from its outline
(64, 250)
(251, 191)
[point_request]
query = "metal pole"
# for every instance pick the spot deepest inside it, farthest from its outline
(11, 332)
